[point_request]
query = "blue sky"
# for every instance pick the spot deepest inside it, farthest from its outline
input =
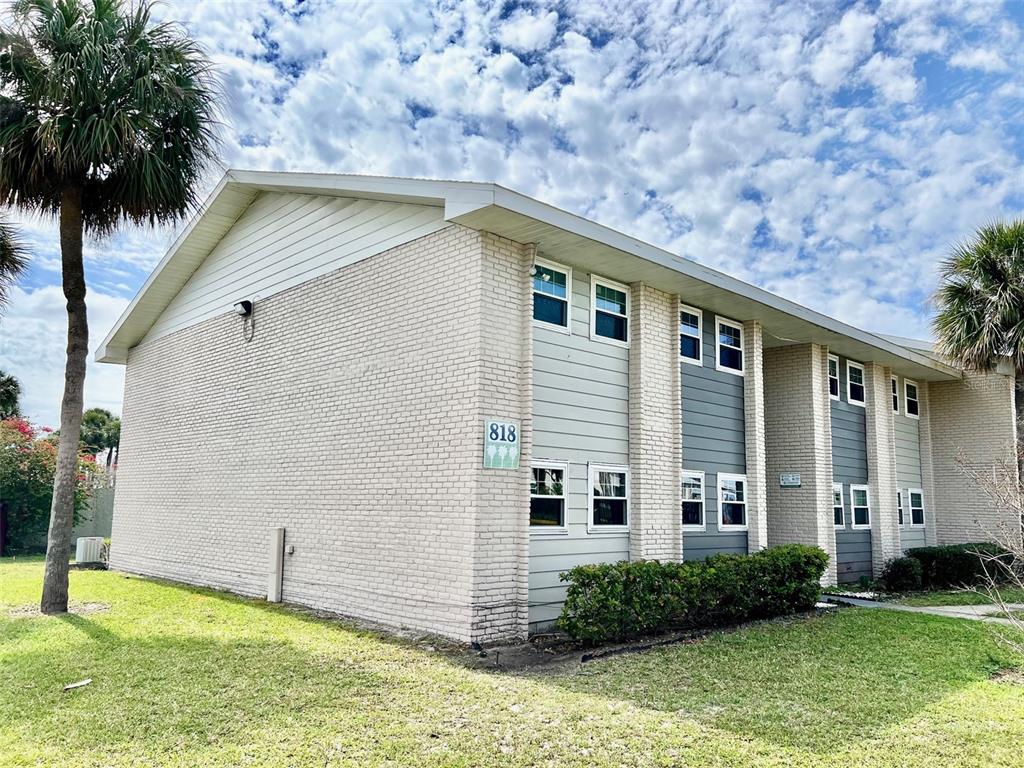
(828, 152)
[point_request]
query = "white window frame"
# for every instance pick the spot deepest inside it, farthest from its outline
(592, 469)
(594, 282)
(700, 335)
(837, 395)
(907, 398)
(842, 504)
(863, 377)
(894, 393)
(901, 513)
(719, 320)
(853, 512)
(910, 508)
(553, 530)
(703, 499)
(718, 494)
(567, 271)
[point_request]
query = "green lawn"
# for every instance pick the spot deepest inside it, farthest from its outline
(195, 678)
(957, 597)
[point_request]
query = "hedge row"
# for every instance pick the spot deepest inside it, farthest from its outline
(957, 565)
(618, 601)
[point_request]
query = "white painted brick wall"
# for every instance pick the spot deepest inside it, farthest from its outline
(974, 417)
(798, 426)
(754, 425)
(354, 419)
(881, 450)
(655, 434)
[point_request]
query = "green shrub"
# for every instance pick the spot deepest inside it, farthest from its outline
(617, 601)
(902, 574)
(955, 565)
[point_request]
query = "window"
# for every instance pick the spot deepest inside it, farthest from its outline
(854, 383)
(690, 335)
(609, 311)
(609, 498)
(693, 500)
(861, 506)
(552, 287)
(838, 510)
(895, 394)
(547, 495)
(729, 346)
(833, 377)
(899, 508)
(910, 397)
(732, 501)
(916, 506)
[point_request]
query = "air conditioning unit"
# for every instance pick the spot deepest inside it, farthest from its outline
(89, 549)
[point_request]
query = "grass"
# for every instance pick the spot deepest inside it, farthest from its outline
(958, 597)
(191, 677)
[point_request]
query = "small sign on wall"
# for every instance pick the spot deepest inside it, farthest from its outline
(501, 444)
(789, 480)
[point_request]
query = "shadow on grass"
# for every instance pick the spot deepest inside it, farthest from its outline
(818, 684)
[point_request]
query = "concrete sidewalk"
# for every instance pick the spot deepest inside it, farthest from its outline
(973, 612)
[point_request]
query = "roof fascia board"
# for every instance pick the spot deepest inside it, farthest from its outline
(548, 214)
(108, 352)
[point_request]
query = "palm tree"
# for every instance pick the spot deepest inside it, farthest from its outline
(13, 260)
(10, 393)
(980, 302)
(105, 118)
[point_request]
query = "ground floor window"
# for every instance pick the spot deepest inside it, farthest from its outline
(732, 501)
(916, 497)
(547, 494)
(693, 500)
(838, 508)
(860, 504)
(899, 507)
(609, 497)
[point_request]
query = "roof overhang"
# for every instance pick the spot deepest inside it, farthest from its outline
(562, 236)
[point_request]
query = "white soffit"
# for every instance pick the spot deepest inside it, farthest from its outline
(562, 236)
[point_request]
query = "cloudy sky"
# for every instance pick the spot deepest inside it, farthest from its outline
(830, 153)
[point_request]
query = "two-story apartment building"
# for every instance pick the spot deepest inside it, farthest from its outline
(419, 402)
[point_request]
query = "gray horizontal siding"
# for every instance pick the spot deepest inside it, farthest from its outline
(849, 437)
(580, 415)
(911, 537)
(714, 440)
(907, 433)
(853, 554)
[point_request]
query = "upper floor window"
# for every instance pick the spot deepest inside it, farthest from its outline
(910, 397)
(547, 494)
(854, 383)
(690, 326)
(838, 509)
(693, 500)
(609, 313)
(732, 501)
(895, 394)
(609, 497)
(729, 345)
(552, 290)
(833, 377)
(860, 504)
(916, 497)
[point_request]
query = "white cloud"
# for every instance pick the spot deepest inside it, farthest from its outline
(985, 59)
(528, 32)
(33, 334)
(827, 154)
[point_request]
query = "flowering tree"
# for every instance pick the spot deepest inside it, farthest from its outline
(28, 458)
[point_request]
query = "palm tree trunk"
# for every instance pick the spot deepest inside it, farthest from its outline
(62, 511)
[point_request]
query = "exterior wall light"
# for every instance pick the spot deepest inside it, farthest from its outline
(243, 308)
